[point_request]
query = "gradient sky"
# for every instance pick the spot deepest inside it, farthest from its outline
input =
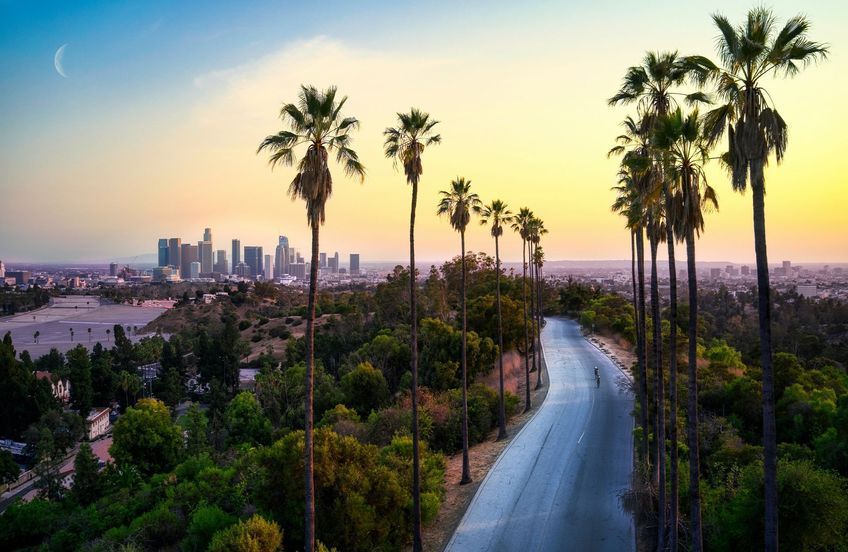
(154, 132)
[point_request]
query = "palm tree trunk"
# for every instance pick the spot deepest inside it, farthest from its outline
(641, 338)
(417, 545)
(764, 310)
(539, 284)
(501, 406)
(309, 534)
(532, 303)
(466, 466)
(692, 410)
(526, 330)
(659, 395)
(672, 384)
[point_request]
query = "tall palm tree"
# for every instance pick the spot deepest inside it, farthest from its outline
(687, 151)
(749, 53)
(404, 144)
(458, 203)
(315, 122)
(537, 230)
(521, 224)
(89, 335)
(497, 215)
(538, 262)
(35, 336)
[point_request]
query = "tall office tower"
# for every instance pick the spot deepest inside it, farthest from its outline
(354, 263)
(242, 270)
(236, 257)
(253, 258)
(163, 251)
(113, 269)
(174, 245)
(207, 234)
(188, 255)
(323, 257)
(787, 268)
(338, 265)
(298, 270)
(269, 269)
(194, 269)
(280, 264)
(221, 262)
(745, 270)
(205, 253)
(2, 270)
(332, 265)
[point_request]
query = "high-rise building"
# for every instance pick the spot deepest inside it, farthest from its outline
(715, 273)
(745, 270)
(298, 270)
(269, 270)
(354, 263)
(205, 256)
(113, 269)
(163, 251)
(194, 269)
(787, 268)
(236, 258)
(242, 270)
(2, 270)
(188, 255)
(207, 234)
(221, 262)
(323, 258)
(338, 265)
(174, 250)
(253, 258)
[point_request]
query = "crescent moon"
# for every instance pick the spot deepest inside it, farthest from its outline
(57, 60)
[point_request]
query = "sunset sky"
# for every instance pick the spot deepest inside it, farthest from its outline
(154, 131)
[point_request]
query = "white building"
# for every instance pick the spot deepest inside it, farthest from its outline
(195, 270)
(97, 423)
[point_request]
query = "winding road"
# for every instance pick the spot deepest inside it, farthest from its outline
(557, 485)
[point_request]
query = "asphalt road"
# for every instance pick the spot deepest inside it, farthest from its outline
(557, 486)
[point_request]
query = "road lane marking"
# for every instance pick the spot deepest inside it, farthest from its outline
(581, 437)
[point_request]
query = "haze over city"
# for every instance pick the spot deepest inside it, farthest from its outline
(154, 130)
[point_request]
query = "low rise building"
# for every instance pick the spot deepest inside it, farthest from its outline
(97, 422)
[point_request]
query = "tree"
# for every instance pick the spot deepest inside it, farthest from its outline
(79, 374)
(537, 230)
(255, 534)
(755, 129)
(405, 144)
(315, 121)
(145, 437)
(196, 426)
(88, 484)
(245, 421)
(23, 397)
(498, 215)
(457, 204)
(521, 224)
(9, 469)
(683, 141)
(49, 441)
(365, 389)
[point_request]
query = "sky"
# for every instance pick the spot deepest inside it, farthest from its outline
(153, 133)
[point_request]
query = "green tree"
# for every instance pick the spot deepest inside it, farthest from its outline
(457, 204)
(88, 485)
(205, 522)
(245, 421)
(255, 534)
(196, 426)
(79, 374)
(405, 144)
(750, 53)
(498, 215)
(49, 441)
(315, 121)
(521, 224)
(145, 437)
(365, 389)
(9, 469)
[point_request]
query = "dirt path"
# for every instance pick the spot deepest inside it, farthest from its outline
(482, 455)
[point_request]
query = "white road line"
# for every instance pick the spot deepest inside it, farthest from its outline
(581, 437)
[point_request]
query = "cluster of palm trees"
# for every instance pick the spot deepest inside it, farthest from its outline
(316, 123)
(663, 192)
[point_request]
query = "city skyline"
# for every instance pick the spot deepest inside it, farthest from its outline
(194, 95)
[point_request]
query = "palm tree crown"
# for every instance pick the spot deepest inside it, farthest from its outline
(316, 121)
(406, 142)
(458, 203)
(497, 214)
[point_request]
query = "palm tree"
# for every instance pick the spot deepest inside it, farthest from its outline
(537, 230)
(458, 204)
(108, 331)
(71, 330)
(404, 144)
(35, 336)
(749, 53)
(315, 121)
(89, 335)
(539, 261)
(498, 215)
(681, 137)
(521, 224)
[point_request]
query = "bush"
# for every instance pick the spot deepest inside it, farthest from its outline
(254, 535)
(280, 332)
(243, 325)
(205, 522)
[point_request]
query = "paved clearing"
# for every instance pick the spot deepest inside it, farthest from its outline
(557, 486)
(80, 313)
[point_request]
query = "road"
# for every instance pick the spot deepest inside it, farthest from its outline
(557, 485)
